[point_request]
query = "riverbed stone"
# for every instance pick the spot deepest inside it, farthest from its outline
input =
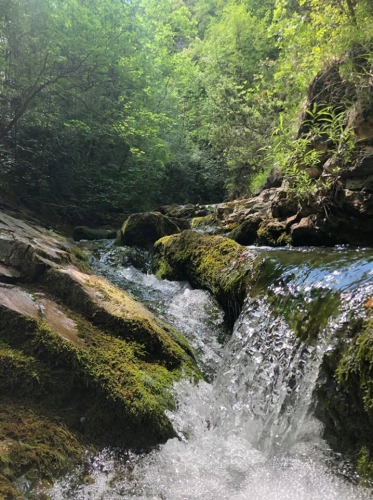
(87, 233)
(144, 229)
(246, 232)
(215, 263)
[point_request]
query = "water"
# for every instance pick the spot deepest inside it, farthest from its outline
(250, 434)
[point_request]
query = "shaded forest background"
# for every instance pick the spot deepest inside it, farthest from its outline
(121, 105)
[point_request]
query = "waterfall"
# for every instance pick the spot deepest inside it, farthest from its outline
(251, 433)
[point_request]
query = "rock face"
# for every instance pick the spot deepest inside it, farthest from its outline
(144, 229)
(81, 362)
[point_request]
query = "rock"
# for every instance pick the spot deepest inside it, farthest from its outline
(74, 348)
(332, 166)
(368, 183)
(86, 233)
(215, 263)
(344, 393)
(29, 250)
(283, 207)
(274, 180)
(114, 310)
(273, 232)
(9, 274)
(144, 229)
(307, 232)
(362, 167)
(207, 222)
(246, 232)
(354, 183)
(179, 211)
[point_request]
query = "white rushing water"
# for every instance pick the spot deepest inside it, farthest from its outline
(249, 435)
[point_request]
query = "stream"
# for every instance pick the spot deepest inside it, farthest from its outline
(248, 432)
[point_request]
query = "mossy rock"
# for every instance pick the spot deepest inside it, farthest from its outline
(75, 385)
(215, 263)
(273, 233)
(82, 364)
(345, 396)
(205, 221)
(144, 229)
(86, 233)
(246, 232)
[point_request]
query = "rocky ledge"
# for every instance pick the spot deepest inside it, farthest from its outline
(82, 364)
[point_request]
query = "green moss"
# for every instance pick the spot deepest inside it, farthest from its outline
(364, 466)
(273, 233)
(215, 263)
(34, 442)
(346, 396)
(106, 387)
(355, 369)
(8, 491)
(208, 220)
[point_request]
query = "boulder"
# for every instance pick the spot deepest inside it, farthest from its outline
(81, 362)
(246, 232)
(273, 232)
(309, 232)
(144, 229)
(86, 233)
(215, 263)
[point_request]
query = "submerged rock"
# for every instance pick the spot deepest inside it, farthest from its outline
(81, 362)
(144, 229)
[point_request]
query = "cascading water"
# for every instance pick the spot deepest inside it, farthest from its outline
(250, 434)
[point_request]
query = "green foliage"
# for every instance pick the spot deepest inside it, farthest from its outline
(113, 104)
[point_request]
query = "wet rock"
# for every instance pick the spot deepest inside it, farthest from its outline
(308, 232)
(86, 233)
(144, 229)
(74, 346)
(215, 263)
(246, 232)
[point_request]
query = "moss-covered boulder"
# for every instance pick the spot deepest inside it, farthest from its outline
(246, 232)
(207, 222)
(87, 233)
(215, 263)
(144, 229)
(82, 364)
(273, 232)
(345, 395)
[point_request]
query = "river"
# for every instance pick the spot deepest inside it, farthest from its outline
(249, 431)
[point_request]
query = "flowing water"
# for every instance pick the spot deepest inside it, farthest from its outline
(250, 433)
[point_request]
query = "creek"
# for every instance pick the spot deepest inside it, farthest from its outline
(250, 431)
